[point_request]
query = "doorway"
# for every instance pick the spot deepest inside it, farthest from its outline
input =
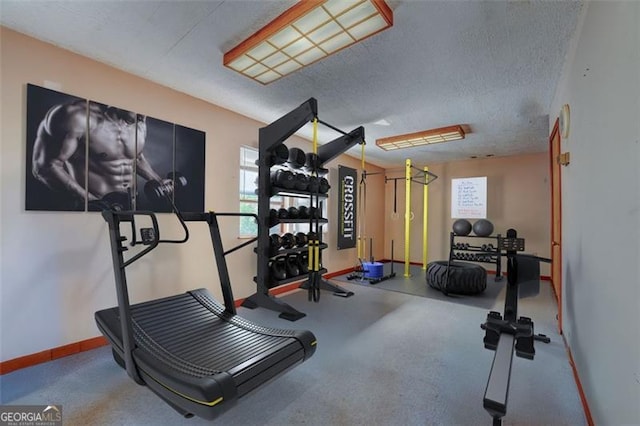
(556, 218)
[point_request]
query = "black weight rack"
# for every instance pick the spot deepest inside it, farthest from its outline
(478, 250)
(269, 138)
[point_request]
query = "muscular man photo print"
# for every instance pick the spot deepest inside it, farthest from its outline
(83, 152)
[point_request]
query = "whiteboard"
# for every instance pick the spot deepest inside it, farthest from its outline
(469, 198)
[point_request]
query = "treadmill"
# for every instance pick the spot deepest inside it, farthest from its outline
(197, 355)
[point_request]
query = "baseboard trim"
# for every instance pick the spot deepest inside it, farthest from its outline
(583, 398)
(399, 261)
(51, 354)
(96, 342)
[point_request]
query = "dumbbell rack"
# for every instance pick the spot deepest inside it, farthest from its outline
(478, 253)
(273, 254)
(269, 138)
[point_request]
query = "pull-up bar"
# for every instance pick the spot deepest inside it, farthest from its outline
(409, 178)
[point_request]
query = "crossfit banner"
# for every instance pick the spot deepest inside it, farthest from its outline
(347, 178)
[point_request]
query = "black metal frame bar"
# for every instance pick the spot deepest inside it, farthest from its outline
(114, 220)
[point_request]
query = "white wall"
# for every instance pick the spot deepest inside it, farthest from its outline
(601, 209)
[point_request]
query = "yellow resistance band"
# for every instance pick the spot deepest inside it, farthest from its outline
(315, 135)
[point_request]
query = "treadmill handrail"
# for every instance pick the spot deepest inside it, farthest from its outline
(113, 219)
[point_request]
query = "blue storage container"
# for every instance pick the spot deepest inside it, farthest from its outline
(373, 270)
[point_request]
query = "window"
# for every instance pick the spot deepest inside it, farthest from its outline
(248, 196)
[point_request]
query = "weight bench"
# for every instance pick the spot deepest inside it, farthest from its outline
(194, 353)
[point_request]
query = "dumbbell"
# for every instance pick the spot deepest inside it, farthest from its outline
(302, 182)
(275, 242)
(283, 178)
(294, 213)
(314, 184)
(303, 212)
(314, 213)
(324, 186)
(116, 201)
(297, 158)
(288, 241)
(301, 239)
(157, 191)
(283, 213)
(311, 236)
(273, 217)
(279, 155)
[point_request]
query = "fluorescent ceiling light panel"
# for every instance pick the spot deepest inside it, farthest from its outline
(443, 134)
(306, 33)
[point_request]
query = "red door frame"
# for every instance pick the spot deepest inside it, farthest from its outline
(556, 217)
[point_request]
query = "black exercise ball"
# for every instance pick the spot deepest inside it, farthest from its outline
(483, 228)
(462, 227)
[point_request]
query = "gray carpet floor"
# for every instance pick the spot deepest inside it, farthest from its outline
(415, 285)
(383, 358)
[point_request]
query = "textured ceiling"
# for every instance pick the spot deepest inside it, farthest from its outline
(491, 66)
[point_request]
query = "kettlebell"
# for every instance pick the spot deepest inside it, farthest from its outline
(291, 265)
(283, 213)
(278, 269)
(303, 263)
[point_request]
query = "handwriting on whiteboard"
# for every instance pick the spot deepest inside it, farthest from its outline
(469, 198)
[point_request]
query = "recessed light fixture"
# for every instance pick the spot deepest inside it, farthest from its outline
(305, 33)
(426, 137)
